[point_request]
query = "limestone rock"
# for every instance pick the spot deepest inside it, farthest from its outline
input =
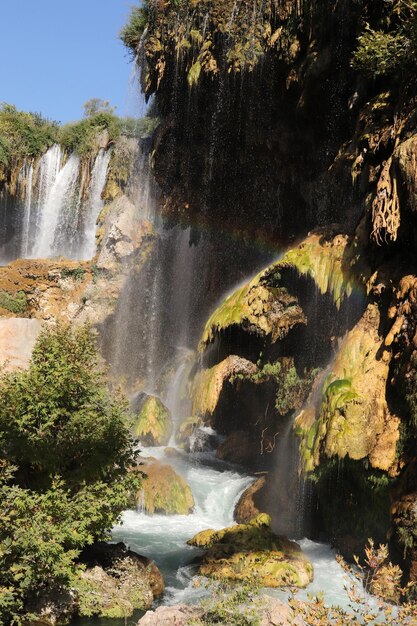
(179, 615)
(164, 491)
(208, 384)
(116, 582)
(121, 234)
(252, 551)
(237, 448)
(153, 425)
(405, 157)
(353, 418)
(264, 306)
(246, 508)
(17, 339)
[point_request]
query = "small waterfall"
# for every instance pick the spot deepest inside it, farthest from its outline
(27, 175)
(50, 214)
(94, 204)
(60, 200)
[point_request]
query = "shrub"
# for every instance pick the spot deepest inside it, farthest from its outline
(64, 479)
(15, 303)
(133, 30)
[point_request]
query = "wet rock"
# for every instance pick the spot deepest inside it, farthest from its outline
(237, 448)
(253, 551)
(153, 426)
(247, 508)
(106, 555)
(353, 419)
(164, 491)
(187, 429)
(208, 384)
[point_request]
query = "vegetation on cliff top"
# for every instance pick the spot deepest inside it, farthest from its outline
(65, 456)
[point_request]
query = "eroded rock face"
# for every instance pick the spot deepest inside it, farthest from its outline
(17, 339)
(247, 509)
(116, 582)
(208, 384)
(353, 418)
(164, 491)
(153, 426)
(179, 615)
(252, 550)
(238, 448)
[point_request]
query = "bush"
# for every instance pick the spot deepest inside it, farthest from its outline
(132, 32)
(24, 134)
(15, 303)
(64, 471)
(379, 53)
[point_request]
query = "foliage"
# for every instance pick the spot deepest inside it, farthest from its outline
(15, 303)
(23, 134)
(66, 452)
(231, 604)
(96, 105)
(133, 30)
(379, 53)
(292, 389)
(392, 47)
(81, 137)
(77, 273)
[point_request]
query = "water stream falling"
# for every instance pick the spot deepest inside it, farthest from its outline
(54, 212)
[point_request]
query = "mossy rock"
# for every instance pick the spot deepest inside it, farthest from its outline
(253, 552)
(208, 384)
(164, 491)
(187, 428)
(353, 419)
(153, 425)
(265, 307)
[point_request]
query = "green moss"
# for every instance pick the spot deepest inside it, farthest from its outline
(154, 424)
(164, 491)
(252, 552)
(76, 273)
(15, 303)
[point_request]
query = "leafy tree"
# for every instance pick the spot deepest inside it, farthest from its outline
(133, 30)
(64, 470)
(96, 105)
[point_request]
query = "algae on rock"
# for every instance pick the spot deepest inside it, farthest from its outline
(208, 384)
(252, 552)
(264, 306)
(154, 423)
(353, 418)
(164, 491)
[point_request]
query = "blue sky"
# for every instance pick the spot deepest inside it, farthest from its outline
(56, 54)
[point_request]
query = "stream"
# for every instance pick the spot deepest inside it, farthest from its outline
(216, 487)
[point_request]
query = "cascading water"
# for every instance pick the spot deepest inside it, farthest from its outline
(93, 205)
(60, 201)
(59, 214)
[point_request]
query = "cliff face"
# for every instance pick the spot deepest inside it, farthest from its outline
(278, 118)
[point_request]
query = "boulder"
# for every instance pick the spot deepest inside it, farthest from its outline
(253, 552)
(164, 491)
(179, 615)
(208, 384)
(116, 582)
(17, 339)
(247, 509)
(237, 448)
(269, 611)
(153, 426)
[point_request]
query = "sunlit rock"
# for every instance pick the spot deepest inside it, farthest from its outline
(252, 552)
(153, 426)
(164, 491)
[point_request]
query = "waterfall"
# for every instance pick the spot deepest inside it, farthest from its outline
(94, 204)
(27, 175)
(60, 199)
(52, 214)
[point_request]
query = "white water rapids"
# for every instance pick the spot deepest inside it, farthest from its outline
(216, 488)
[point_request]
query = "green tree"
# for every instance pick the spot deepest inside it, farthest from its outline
(96, 105)
(66, 453)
